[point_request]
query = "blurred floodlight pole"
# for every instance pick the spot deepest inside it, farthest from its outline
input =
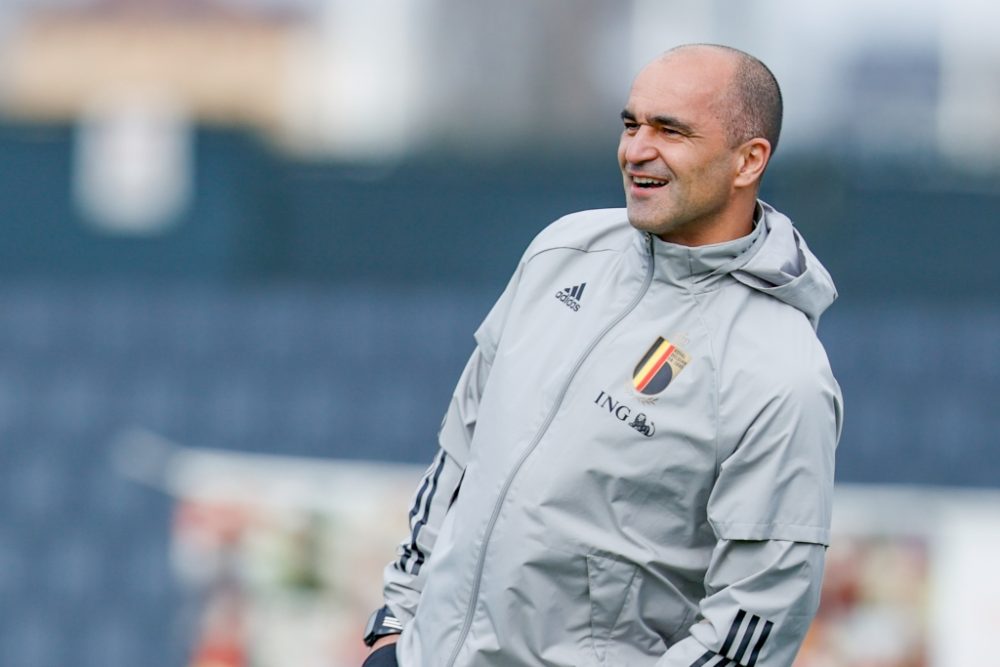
(357, 88)
(969, 113)
(654, 30)
(133, 162)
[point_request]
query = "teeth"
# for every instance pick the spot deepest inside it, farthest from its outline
(645, 182)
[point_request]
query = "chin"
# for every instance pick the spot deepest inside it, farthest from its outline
(640, 221)
(641, 225)
(655, 227)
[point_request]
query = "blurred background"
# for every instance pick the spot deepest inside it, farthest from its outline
(269, 228)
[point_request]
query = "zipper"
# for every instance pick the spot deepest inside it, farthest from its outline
(481, 563)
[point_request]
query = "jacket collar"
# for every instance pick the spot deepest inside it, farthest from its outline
(699, 267)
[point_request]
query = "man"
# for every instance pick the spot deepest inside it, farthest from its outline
(637, 465)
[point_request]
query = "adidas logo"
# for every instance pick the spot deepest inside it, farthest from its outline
(571, 296)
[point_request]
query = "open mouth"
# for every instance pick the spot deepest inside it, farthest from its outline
(646, 182)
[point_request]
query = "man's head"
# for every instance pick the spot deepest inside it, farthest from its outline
(701, 123)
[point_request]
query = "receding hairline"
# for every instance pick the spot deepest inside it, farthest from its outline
(737, 57)
(704, 45)
(754, 101)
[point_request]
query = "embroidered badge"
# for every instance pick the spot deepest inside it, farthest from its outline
(662, 362)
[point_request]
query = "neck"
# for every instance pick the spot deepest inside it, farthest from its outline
(733, 222)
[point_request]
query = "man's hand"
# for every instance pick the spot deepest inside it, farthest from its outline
(383, 653)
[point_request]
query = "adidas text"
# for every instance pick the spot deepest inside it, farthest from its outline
(568, 300)
(571, 296)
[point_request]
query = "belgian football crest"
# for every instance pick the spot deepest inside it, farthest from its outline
(662, 362)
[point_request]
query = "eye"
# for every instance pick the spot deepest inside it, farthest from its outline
(631, 126)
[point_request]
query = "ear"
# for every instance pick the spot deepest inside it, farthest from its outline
(753, 158)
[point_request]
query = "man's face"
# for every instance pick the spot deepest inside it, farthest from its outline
(676, 161)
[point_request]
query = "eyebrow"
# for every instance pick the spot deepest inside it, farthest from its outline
(662, 121)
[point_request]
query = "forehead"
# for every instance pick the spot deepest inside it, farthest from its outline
(690, 85)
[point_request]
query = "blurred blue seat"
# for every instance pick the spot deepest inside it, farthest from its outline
(345, 372)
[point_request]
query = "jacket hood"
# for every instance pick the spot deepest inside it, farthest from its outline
(781, 265)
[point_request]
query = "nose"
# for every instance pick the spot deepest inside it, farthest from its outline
(639, 147)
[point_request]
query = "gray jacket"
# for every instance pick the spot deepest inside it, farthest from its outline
(637, 464)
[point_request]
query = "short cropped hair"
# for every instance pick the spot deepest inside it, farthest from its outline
(754, 106)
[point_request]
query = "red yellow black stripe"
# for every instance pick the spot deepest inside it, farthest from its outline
(652, 362)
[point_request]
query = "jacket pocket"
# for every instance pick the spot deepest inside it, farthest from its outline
(611, 585)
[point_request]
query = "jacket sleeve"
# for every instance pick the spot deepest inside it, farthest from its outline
(435, 493)
(770, 509)
(761, 597)
(777, 484)
(440, 485)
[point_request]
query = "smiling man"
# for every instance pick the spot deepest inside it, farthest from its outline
(636, 467)
(700, 126)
